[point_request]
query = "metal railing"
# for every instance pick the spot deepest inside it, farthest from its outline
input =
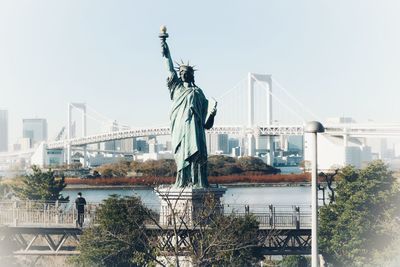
(64, 214)
(42, 213)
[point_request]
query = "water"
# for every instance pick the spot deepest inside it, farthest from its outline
(285, 195)
(290, 169)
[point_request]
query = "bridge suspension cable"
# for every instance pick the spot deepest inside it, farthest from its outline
(88, 115)
(233, 88)
(109, 120)
(295, 99)
(278, 99)
(230, 104)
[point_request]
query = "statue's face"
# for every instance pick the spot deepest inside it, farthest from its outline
(186, 76)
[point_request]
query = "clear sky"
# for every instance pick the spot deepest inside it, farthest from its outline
(337, 57)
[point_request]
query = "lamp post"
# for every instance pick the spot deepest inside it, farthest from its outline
(313, 128)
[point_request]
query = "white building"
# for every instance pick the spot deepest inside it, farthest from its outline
(22, 144)
(337, 151)
(3, 130)
(45, 157)
(153, 156)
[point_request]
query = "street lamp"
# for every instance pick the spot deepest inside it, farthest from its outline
(313, 128)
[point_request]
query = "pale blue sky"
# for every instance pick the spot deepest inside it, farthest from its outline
(341, 57)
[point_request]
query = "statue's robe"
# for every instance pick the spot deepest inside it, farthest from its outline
(188, 117)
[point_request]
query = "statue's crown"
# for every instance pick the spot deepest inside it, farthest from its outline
(182, 66)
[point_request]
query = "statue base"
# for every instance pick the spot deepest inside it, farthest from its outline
(185, 205)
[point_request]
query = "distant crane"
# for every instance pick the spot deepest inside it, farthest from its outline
(60, 134)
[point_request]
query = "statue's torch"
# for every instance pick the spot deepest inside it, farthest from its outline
(163, 33)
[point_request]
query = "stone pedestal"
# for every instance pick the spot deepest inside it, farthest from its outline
(188, 204)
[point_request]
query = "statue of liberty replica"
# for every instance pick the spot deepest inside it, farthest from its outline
(191, 114)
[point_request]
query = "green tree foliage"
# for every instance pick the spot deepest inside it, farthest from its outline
(223, 165)
(218, 165)
(294, 261)
(162, 167)
(41, 186)
(352, 230)
(119, 169)
(120, 238)
(255, 164)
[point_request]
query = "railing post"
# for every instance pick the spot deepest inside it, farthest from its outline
(73, 215)
(15, 213)
(57, 213)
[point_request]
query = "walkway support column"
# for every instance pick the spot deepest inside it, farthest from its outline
(313, 128)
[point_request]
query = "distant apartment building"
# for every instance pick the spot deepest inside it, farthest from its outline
(115, 144)
(142, 146)
(127, 145)
(3, 130)
(233, 144)
(340, 120)
(35, 129)
(217, 143)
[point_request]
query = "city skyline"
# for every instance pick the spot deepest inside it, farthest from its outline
(337, 58)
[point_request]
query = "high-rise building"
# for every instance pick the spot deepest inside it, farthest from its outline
(217, 143)
(35, 129)
(232, 143)
(295, 143)
(142, 146)
(3, 130)
(115, 144)
(223, 143)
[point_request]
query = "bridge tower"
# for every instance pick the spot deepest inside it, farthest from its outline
(82, 108)
(252, 141)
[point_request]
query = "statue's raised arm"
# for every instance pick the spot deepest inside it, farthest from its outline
(165, 51)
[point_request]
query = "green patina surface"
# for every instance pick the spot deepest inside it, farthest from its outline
(191, 114)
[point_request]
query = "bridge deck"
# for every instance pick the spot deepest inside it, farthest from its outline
(50, 228)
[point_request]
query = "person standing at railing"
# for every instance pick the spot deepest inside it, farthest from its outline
(80, 203)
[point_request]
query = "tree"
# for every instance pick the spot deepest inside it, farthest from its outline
(229, 241)
(222, 165)
(120, 237)
(118, 169)
(294, 261)
(255, 164)
(352, 229)
(208, 237)
(41, 186)
(162, 167)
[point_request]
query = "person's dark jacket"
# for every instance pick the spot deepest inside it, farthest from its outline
(80, 203)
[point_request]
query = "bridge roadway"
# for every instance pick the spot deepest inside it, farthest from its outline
(354, 130)
(50, 229)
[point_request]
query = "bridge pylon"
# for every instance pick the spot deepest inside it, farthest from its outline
(81, 107)
(251, 138)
